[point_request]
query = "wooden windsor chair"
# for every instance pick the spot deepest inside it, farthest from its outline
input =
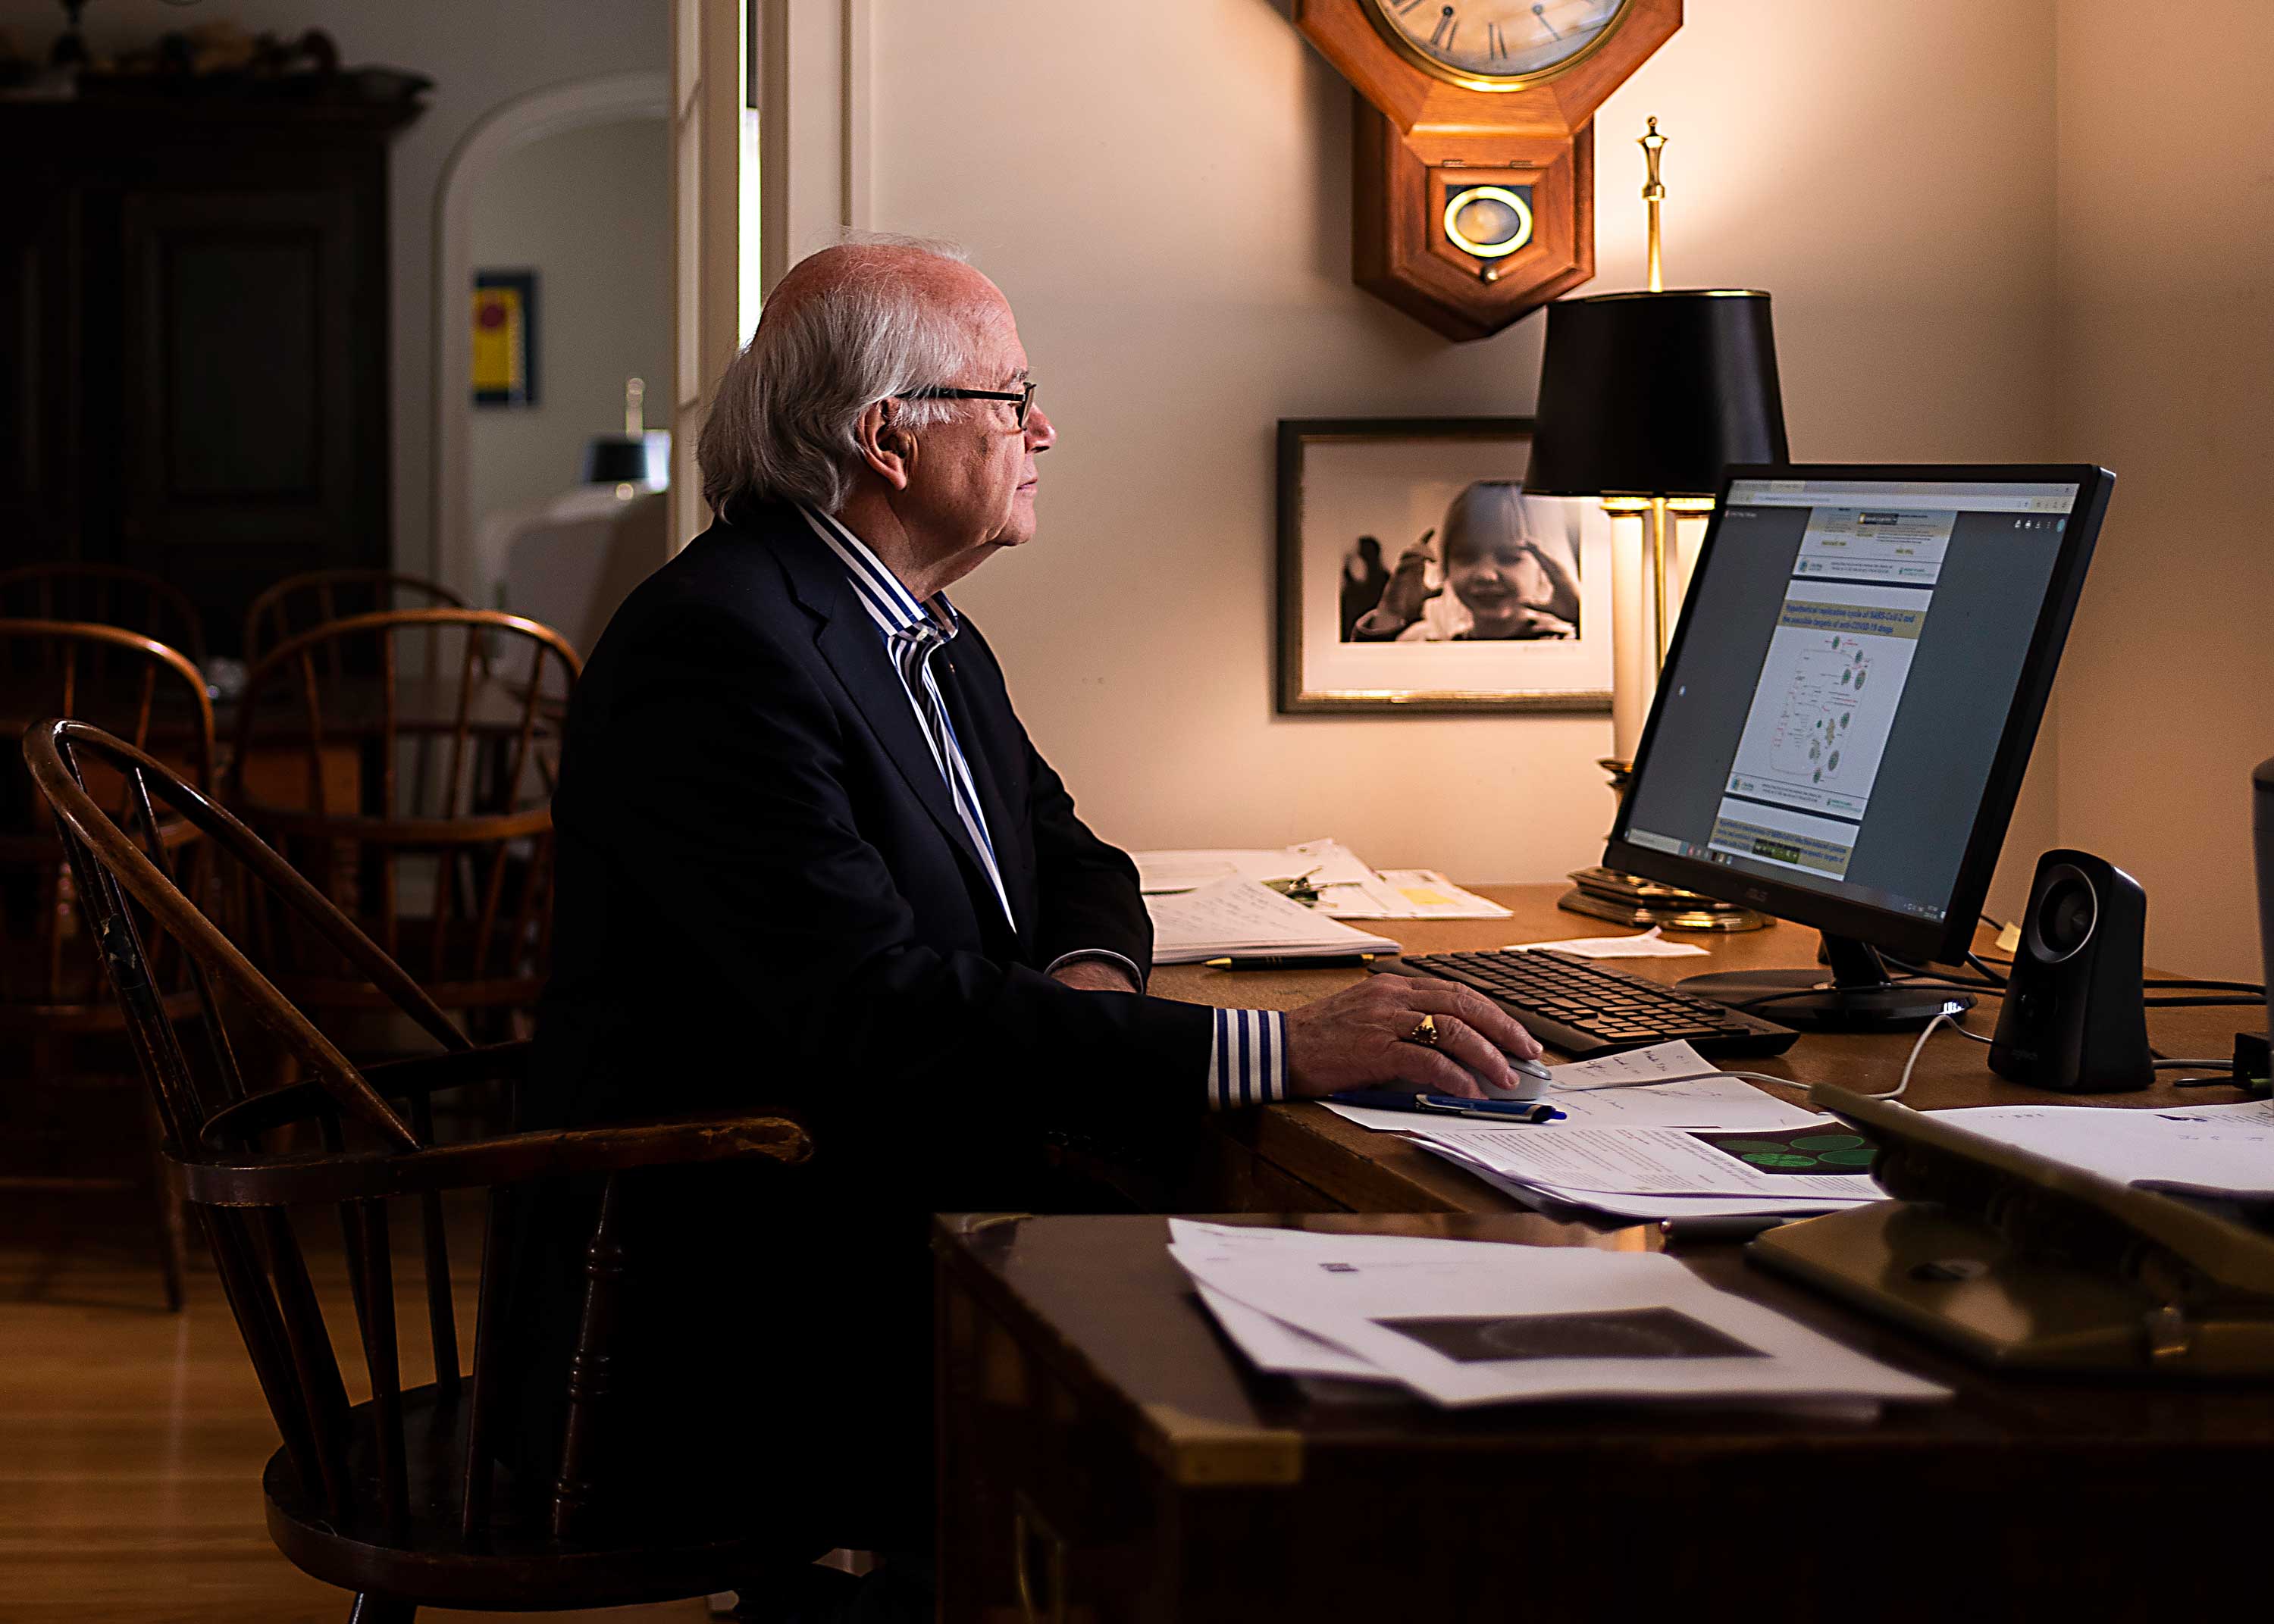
(403, 762)
(105, 595)
(300, 603)
(61, 1029)
(398, 1499)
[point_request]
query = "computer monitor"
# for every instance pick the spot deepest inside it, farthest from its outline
(1845, 710)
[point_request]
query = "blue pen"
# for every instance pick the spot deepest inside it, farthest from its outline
(1502, 1111)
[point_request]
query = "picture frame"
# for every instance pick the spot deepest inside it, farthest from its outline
(504, 350)
(1519, 622)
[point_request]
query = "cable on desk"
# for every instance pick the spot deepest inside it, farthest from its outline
(2191, 1004)
(1917, 1049)
(1983, 965)
(1905, 983)
(2191, 1066)
(1991, 977)
(1788, 1082)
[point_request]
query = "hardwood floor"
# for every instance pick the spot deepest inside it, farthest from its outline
(132, 1439)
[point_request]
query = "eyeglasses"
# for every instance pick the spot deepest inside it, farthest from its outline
(1024, 396)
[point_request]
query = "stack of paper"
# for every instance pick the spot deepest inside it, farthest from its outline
(1347, 888)
(1467, 1322)
(2216, 1149)
(1634, 1146)
(1670, 1172)
(1236, 915)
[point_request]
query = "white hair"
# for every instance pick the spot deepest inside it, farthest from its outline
(783, 425)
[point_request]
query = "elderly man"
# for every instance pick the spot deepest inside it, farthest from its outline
(809, 858)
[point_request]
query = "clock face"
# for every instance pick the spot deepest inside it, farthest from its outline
(1497, 44)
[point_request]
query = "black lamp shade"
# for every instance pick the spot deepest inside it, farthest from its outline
(1654, 395)
(614, 459)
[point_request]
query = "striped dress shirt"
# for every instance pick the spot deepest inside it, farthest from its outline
(1247, 1050)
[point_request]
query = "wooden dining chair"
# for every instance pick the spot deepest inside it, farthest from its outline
(299, 603)
(398, 1499)
(62, 1031)
(105, 595)
(403, 762)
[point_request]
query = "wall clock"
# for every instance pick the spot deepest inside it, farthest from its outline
(1474, 157)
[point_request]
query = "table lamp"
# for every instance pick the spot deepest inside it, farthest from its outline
(638, 456)
(1645, 398)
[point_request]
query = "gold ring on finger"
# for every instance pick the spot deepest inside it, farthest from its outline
(1426, 1033)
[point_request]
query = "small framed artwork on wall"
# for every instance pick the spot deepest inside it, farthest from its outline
(1417, 575)
(505, 338)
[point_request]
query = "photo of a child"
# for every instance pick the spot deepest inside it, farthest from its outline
(1501, 567)
(1418, 576)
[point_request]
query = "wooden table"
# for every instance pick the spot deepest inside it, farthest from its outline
(1304, 1158)
(1105, 1456)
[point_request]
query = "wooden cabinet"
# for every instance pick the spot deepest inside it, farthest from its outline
(194, 341)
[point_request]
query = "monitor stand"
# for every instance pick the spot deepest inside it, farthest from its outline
(1856, 995)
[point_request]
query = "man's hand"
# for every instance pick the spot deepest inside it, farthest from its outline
(1095, 976)
(1361, 1037)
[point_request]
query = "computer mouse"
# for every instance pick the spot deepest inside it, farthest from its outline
(1532, 1079)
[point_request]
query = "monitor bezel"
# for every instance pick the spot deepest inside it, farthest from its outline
(1905, 934)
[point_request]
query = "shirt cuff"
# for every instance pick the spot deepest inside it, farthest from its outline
(1103, 955)
(1247, 1059)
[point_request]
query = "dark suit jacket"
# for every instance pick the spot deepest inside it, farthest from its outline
(765, 892)
(764, 897)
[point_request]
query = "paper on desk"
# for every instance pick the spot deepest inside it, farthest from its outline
(2227, 1148)
(1617, 1091)
(1427, 894)
(1272, 1344)
(1648, 945)
(1630, 1206)
(1347, 887)
(1282, 1349)
(1237, 915)
(1324, 862)
(1582, 1164)
(1473, 1322)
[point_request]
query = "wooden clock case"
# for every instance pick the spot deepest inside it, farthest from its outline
(1417, 139)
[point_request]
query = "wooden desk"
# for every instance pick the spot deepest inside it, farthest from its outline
(1096, 1426)
(1304, 1158)
(1097, 1431)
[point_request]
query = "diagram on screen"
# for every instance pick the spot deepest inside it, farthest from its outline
(1830, 685)
(1824, 685)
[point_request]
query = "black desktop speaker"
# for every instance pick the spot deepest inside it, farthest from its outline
(2074, 1018)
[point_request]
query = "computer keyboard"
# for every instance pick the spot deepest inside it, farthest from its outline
(1577, 1006)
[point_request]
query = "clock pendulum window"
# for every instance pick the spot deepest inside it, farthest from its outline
(1474, 151)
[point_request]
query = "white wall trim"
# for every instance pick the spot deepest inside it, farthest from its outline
(816, 59)
(554, 110)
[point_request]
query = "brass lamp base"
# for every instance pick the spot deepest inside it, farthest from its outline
(1638, 904)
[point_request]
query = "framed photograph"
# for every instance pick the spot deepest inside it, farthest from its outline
(505, 338)
(1417, 574)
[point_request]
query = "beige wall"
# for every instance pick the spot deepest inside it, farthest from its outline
(1164, 193)
(590, 212)
(2167, 344)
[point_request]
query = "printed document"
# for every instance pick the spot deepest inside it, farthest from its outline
(2225, 1148)
(1347, 888)
(1237, 915)
(1585, 1163)
(1464, 1322)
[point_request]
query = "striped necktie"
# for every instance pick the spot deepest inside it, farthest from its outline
(912, 647)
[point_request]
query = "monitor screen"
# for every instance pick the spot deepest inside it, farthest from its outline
(1856, 682)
